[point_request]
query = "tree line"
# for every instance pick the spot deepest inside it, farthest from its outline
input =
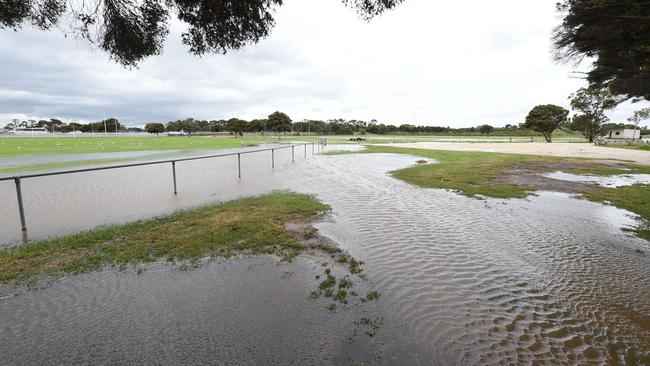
(542, 120)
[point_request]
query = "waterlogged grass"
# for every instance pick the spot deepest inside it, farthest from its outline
(478, 173)
(250, 226)
(61, 165)
(24, 146)
(635, 198)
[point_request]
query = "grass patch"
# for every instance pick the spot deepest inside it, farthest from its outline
(643, 147)
(249, 226)
(477, 174)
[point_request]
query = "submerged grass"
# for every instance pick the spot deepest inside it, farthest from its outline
(477, 174)
(635, 198)
(252, 225)
(58, 165)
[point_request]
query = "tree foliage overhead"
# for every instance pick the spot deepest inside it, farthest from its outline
(546, 119)
(616, 33)
(132, 30)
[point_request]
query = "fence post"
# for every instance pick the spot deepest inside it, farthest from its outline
(305, 151)
(21, 209)
(239, 165)
(272, 159)
(293, 159)
(312, 148)
(174, 174)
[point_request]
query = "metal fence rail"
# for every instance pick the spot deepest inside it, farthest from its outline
(315, 149)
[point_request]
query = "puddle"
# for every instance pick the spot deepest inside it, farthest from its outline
(612, 181)
(548, 279)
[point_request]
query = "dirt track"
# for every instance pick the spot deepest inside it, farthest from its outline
(553, 149)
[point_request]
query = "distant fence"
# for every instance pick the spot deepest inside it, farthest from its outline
(316, 148)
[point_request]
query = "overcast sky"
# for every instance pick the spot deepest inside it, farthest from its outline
(427, 62)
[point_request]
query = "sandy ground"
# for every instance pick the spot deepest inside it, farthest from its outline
(536, 148)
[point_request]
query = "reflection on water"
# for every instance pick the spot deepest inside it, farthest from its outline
(550, 278)
(611, 181)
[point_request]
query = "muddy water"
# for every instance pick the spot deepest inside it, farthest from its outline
(547, 279)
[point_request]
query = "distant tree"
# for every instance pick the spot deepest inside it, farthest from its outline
(279, 122)
(112, 125)
(639, 116)
(237, 126)
(485, 129)
(257, 125)
(546, 119)
(616, 35)
(592, 102)
(585, 124)
(130, 31)
(155, 127)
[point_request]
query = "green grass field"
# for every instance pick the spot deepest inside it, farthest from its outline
(24, 146)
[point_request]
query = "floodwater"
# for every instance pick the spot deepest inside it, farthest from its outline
(148, 155)
(548, 279)
(610, 181)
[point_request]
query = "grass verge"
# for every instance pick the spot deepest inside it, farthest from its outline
(480, 174)
(644, 147)
(247, 226)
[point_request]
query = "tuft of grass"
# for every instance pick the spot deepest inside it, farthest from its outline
(252, 226)
(345, 282)
(327, 283)
(342, 296)
(355, 266)
(372, 295)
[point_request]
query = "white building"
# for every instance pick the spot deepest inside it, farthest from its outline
(624, 133)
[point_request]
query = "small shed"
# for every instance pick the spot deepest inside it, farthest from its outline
(624, 133)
